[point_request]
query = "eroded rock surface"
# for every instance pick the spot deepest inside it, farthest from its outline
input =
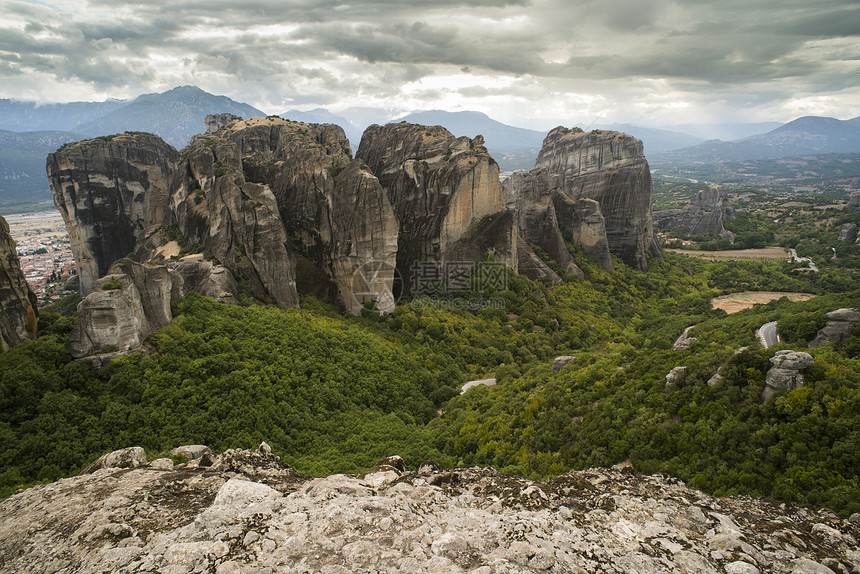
(703, 215)
(247, 512)
(446, 196)
(127, 305)
(785, 373)
(538, 220)
(110, 191)
(610, 168)
(840, 325)
(18, 311)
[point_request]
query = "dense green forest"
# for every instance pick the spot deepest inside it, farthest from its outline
(334, 393)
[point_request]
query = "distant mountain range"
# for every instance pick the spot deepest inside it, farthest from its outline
(22, 163)
(176, 115)
(809, 135)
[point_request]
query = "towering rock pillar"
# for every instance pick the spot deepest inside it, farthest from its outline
(109, 191)
(446, 195)
(610, 168)
(17, 302)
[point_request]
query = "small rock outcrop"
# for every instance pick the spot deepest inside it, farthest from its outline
(840, 325)
(249, 512)
(561, 362)
(446, 196)
(703, 215)
(131, 457)
(18, 311)
(848, 232)
(125, 306)
(785, 373)
(584, 220)
(675, 377)
(609, 168)
(685, 341)
(110, 191)
(215, 122)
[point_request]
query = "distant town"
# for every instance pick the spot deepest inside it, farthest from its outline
(43, 249)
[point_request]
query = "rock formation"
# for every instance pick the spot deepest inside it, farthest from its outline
(703, 215)
(532, 266)
(537, 219)
(840, 325)
(446, 195)
(18, 312)
(244, 511)
(685, 341)
(584, 219)
(334, 211)
(109, 191)
(848, 232)
(854, 201)
(609, 168)
(215, 122)
(675, 377)
(125, 306)
(785, 373)
(236, 220)
(561, 362)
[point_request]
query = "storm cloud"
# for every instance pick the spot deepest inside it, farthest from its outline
(518, 60)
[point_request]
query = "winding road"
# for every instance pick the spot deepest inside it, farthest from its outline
(767, 334)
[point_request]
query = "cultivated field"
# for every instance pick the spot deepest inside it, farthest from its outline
(735, 302)
(764, 253)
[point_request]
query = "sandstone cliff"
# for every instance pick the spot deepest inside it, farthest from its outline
(446, 196)
(109, 191)
(17, 302)
(336, 214)
(244, 511)
(610, 168)
(537, 219)
(704, 214)
(237, 221)
(125, 306)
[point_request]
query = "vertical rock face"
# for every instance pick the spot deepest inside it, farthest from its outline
(234, 219)
(704, 214)
(585, 221)
(127, 305)
(610, 168)
(109, 191)
(537, 219)
(445, 192)
(17, 302)
(336, 220)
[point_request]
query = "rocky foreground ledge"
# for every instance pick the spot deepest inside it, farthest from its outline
(246, 512)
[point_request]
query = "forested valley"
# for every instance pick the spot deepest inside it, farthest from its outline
(334, 393)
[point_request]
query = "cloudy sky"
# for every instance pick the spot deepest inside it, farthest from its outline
(534, 63)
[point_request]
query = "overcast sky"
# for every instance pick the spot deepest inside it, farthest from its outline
(534, 63)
